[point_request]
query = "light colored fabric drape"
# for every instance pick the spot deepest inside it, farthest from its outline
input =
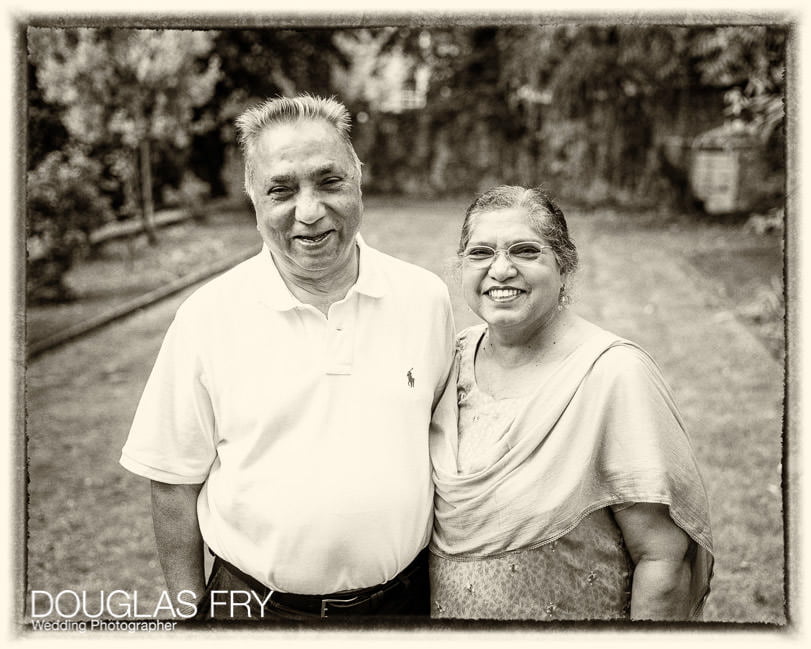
(602, 430)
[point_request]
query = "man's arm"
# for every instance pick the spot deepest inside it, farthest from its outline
(177, 533)
(659, 549)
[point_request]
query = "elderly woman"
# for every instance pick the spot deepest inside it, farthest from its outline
(570, 490)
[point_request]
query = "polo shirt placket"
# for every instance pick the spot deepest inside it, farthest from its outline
(340, 329)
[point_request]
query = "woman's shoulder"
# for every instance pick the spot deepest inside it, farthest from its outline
(622, 356)
(626, 365)
(611, 356)
(469, 336)
(466, 343)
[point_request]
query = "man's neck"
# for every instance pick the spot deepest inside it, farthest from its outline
(322, 291)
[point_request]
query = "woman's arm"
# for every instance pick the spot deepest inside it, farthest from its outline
(659, 549)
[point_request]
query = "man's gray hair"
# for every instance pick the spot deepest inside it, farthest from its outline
(283, 110)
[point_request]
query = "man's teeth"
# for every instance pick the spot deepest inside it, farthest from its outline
(315, 239)
(503, 293)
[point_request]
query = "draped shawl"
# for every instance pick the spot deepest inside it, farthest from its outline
(601, 430)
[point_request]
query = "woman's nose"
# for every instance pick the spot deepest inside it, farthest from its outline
(501, 267)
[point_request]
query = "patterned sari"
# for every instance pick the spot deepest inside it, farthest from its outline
(601, 432)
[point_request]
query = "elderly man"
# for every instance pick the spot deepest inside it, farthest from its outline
(285, 423)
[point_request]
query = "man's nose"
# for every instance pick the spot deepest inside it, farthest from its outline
(309, 208)
(502, 267)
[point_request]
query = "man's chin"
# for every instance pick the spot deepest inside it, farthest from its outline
(319, 265)
(313, 264)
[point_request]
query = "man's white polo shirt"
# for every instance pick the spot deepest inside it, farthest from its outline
(310, 432)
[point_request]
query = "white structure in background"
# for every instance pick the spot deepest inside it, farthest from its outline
(404, 85)
(386, 79)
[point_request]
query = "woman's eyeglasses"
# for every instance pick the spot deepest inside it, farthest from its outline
(522, 253)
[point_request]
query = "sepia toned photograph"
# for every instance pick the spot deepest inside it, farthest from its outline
(417, 323)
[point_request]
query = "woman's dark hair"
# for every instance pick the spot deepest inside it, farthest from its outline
(545, 217)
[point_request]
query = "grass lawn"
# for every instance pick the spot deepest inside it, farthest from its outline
(125, 269)
(680, 289)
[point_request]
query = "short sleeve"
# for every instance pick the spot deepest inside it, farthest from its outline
(447, 345)
(644, 439)
(645, 454)
(172, 435)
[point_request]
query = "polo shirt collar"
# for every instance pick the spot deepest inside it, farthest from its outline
(370, 276)
(277, 295)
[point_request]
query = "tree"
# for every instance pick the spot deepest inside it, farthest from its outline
(751, 62)
(64, 205)
(257, 64)
(45, 131)
(129, 88)
(589, 107)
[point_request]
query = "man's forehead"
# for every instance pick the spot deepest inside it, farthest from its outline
(313, 144)
(280, 134)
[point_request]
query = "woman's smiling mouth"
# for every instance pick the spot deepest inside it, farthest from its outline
(503, 294)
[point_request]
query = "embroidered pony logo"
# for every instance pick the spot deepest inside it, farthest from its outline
(410, 378)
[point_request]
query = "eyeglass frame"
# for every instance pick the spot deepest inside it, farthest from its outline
(491, 260)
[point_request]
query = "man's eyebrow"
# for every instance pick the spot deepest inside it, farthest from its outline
(316, 172)
(279, 178)
(325, 169)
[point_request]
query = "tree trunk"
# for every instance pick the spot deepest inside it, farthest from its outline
(440, 161)
(147, 206)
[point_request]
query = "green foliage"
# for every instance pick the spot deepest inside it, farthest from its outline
(64, 205)
(45, 131)
(118, 91)
(751, 62)
(126, 85)
(261, 63)
(256, 64)
(584, 108)
(190, 194)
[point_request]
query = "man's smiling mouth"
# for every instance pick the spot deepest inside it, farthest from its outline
(314, 239)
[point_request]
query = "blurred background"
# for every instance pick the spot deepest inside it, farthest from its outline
(664, 144)
(125, 123)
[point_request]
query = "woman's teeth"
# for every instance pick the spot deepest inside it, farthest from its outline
(503, 293)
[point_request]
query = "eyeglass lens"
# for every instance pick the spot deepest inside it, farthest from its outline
(523, 251)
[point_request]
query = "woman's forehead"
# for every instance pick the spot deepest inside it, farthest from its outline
(511, 223)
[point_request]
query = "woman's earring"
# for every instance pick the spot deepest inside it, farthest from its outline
(563, 299)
